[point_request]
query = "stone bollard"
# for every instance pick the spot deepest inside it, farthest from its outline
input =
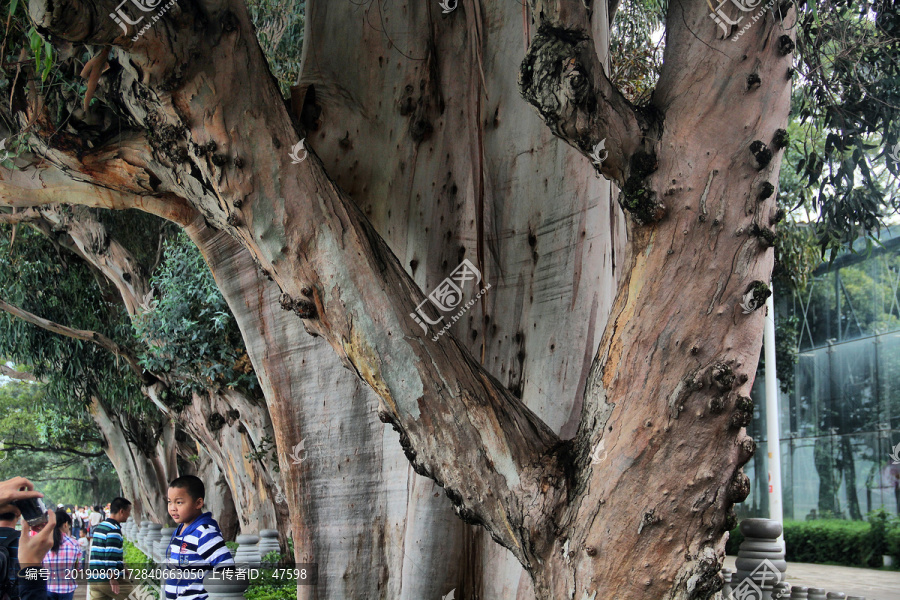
(856, 598)
(799, 592)
(836, 596)
(248, 551)
(219, 589)
(817, 594)
(726, 589)
(268, 542)
(151, 539)
(781, 591)
(760, 546)
(160, 551)
(141, 534)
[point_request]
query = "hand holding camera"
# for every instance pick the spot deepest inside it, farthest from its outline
(17, 488)
(33, 548)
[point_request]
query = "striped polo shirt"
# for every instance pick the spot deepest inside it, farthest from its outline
(106, 548)
(198, 544)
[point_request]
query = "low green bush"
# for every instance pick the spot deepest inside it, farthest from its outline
(834, 541)
(134, 558)
(271, 592)
(893, 544)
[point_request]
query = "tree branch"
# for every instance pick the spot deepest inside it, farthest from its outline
(78, 334)
(62, 479)
(53, 449)
(20, 375)
(563, 78)
(14, 218)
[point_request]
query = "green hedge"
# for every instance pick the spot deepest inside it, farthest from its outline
(832, 541)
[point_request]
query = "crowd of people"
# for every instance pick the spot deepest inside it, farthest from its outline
(61, 546)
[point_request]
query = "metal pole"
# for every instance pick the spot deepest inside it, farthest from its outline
(773, 432)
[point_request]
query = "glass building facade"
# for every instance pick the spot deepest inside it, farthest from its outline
(840, 402)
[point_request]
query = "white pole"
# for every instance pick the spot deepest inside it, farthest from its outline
(773, 433)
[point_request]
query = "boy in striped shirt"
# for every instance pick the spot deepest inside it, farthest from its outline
(196, 543)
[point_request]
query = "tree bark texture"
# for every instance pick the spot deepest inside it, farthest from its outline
(428, 158)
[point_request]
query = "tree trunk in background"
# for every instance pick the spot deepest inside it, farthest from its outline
(229, 426)
(219, 500)
(227, 423)
(137, 472)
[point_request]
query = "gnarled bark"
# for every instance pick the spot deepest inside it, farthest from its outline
(665, 398)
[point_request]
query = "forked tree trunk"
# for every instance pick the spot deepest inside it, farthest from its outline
(436, 146)
(357, 508)
(636, 504)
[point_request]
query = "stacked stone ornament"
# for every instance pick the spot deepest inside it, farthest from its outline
(760, 545)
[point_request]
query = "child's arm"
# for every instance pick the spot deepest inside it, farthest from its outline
(212, 549)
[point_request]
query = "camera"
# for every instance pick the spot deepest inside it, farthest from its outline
(34, 511)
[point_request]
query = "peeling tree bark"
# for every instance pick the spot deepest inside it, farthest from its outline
(665, 400)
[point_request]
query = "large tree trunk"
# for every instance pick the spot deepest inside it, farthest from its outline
(138, 469)
(356, 507)
(435, 137)
(665, 394)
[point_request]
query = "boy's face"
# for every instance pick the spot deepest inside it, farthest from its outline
(183, 508)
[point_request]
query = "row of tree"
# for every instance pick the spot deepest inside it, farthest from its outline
(585, 418)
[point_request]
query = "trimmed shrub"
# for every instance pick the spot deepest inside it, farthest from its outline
(833, 541)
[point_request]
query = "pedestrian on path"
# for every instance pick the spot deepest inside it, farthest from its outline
(85, 516)
(63, 558)
(107, 565)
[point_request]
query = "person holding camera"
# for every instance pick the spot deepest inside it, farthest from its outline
(32, 548)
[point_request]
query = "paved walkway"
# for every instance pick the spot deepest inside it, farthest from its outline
(871, 584)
